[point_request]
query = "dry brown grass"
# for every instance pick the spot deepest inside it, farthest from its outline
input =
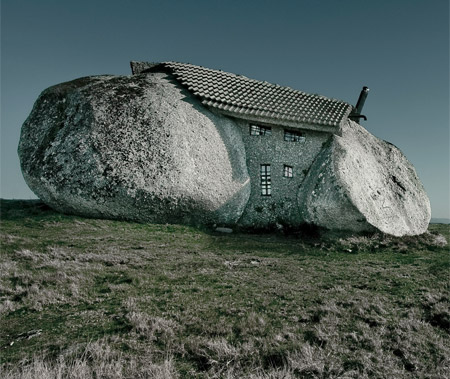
(86, 298)
(97, 360)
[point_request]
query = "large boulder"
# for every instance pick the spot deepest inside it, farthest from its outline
(361, 183)
(134, 147)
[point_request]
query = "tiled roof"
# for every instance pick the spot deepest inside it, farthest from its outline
(248, 98)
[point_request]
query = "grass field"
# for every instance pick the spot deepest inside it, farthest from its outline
(88, 298)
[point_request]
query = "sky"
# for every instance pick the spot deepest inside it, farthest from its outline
(398, 48)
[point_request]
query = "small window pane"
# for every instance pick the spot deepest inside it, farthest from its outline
(265, 180)
(256, 130)
(288, 171)
(293, 136)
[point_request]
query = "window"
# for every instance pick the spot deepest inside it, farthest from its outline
(291, 136)
(288, 171)
(266, 187)
(256, 130)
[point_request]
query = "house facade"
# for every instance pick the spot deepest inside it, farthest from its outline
(283, 130)
(278, 159)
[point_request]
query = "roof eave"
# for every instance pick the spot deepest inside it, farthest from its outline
(256, 115)
(278, 122)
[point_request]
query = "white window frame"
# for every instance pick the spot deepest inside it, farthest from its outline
(293, 136)
(288, 171)
(265, 180)
(259, 130)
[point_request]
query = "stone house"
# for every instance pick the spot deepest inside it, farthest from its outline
(283, 130)
(178, 143)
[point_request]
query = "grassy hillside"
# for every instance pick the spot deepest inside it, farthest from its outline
(97, 298)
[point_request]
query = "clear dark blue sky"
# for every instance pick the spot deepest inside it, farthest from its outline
(398, 48)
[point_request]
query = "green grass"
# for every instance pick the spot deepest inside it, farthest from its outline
(100, 298)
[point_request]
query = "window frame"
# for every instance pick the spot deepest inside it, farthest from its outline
(288, 171)
(294, 136)
(265, 179)
(260, 130)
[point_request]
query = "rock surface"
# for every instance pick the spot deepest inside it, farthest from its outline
(361, 183)
(143, 148)
(134, 147)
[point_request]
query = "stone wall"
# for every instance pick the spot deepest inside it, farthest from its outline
(281, 207)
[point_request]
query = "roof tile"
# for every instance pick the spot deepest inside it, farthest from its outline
(243, 96)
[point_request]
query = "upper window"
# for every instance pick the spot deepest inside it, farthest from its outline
(292, 136)
(288, 171)
(266, 185)
(257, 130)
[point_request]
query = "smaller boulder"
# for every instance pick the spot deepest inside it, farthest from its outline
(361, 183)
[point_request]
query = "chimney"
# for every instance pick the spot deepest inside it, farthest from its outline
(355, 115)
